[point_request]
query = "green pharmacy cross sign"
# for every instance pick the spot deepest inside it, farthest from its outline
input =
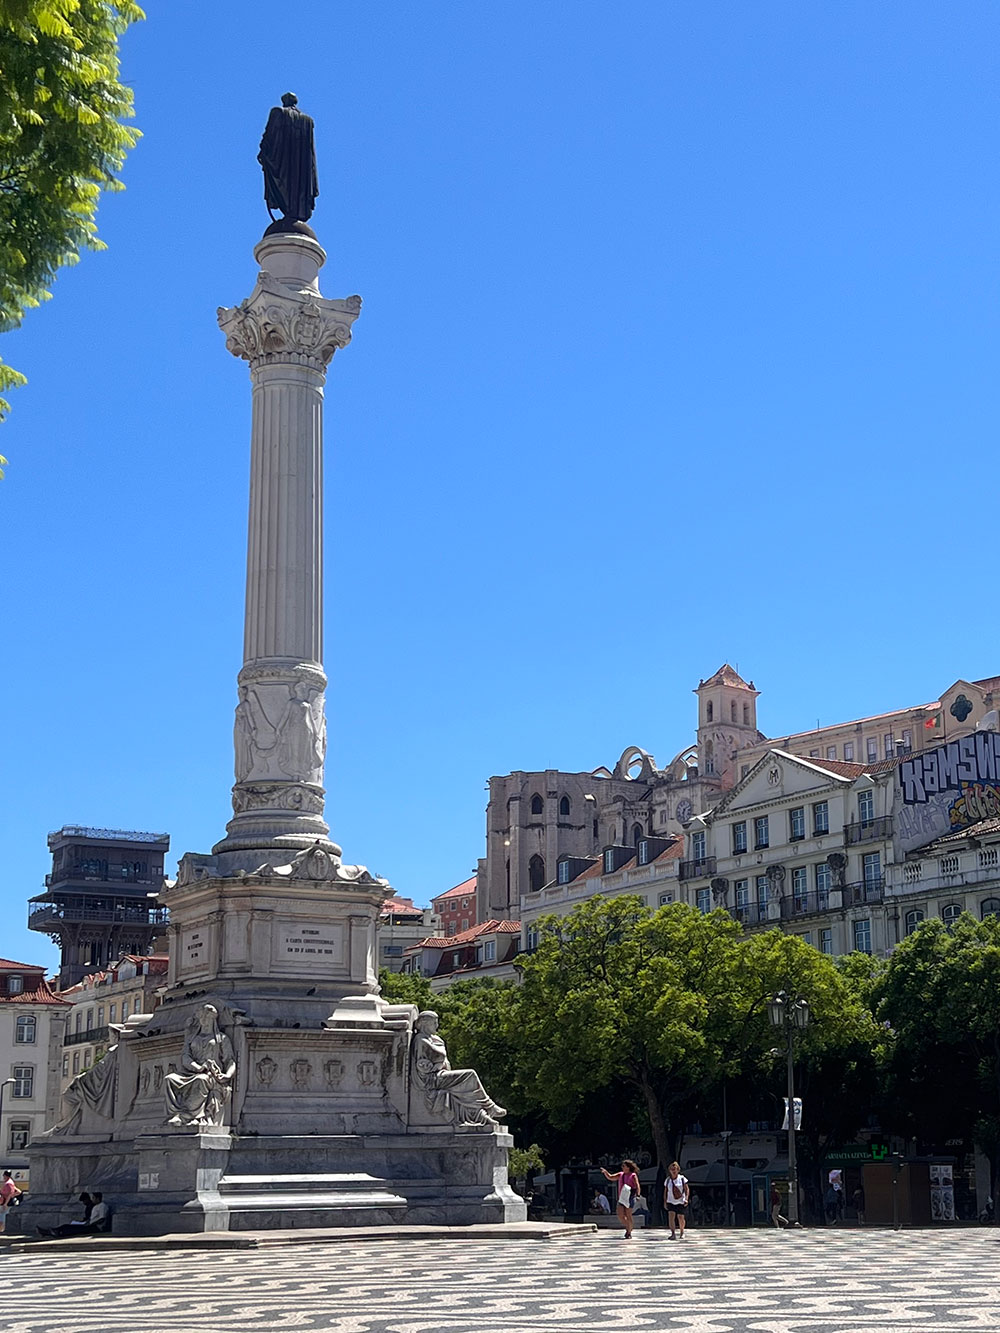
(859, 1152)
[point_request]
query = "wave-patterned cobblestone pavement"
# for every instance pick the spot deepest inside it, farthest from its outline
(743, 1282)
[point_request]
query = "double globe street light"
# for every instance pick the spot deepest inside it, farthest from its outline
(791, 1013)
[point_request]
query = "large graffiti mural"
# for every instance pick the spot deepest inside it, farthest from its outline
(947, 789)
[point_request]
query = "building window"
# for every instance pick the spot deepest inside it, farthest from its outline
(732, 711)
(824, 882)
(703, 899)
(806, 937)
(537, 804)
(863, 936)
(465, 923)
(562, 872)
(800, 888)
(709, 757)
(709, 711)
(907, 740)
(950, 914)
(609, 861)
(762, 891)
(698, 846)
(76, 1062)
(456, 960)
(90, 1019)
(662, 817)
(797, 824)
(532, 939)
(20, 1133)
(826, 940)
(465, 904)
(536, 873)
(866, 807)
(871, 745)
(912, 920)
(15, 985)
(24, 1080)
(564, 808)
(890, 745)
(989, 907)
(124, 1011)
(821, 818)
(741, 890)
(24, 1031)
(665, 898)
(739, 837)
(100, 1015)
(814, 754)
(849, 751)
(872, 868)
(760, 832)
(831, 752)
(111, 1014)
(65, 1072)
(490, 951)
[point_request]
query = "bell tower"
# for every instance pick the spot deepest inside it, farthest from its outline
(727, 723)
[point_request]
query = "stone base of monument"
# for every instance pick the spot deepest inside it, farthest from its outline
(217, 1181)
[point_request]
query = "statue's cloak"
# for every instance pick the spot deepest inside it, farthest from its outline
(288, 156)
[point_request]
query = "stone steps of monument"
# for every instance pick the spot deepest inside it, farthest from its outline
(347, 1183)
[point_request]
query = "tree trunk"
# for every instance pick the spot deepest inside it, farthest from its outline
(657, 1123)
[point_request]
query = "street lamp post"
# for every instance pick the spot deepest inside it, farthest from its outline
(4, 1084)
(791, 1014)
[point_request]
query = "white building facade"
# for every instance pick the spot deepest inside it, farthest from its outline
(32, 1021)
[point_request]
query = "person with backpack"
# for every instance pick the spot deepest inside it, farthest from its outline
(676, 1196)
(628, 1192)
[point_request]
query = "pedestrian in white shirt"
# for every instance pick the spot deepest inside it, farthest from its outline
(676, 1196)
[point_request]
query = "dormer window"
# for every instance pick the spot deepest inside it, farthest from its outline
(562, 872)
(609, 861)
(15, 985)
(490, 951)
(644, 852)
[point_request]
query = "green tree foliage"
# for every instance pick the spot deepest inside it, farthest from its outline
(61, 141)
(670, 1003)
(940, 993)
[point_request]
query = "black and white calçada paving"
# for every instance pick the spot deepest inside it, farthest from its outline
(859, 1281)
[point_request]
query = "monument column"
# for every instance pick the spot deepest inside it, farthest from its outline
(288, 333)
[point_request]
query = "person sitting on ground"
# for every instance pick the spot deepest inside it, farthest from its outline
(96, 1218)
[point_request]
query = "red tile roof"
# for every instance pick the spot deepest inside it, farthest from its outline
(20, 967)
(40, 994)
(400, 907)
(845, 769)
(726, 675)
(463, 890)
(491, 927)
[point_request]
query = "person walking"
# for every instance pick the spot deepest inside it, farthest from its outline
(858, 1199)
(9, 1195)
(776, 1216)
(628, 1192)
(676, 1195)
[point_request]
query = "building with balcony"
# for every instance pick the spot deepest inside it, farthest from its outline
(101, 897)
(129, 986)
(32, 1022)
(796, 832)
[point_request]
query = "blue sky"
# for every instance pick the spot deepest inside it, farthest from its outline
(679, 345)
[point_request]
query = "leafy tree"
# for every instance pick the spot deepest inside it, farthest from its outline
(61, 141)
(941, 995)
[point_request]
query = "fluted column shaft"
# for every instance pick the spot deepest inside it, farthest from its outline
(288, 333)
(284, 597)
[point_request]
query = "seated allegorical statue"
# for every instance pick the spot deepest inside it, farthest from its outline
(456, 1093)
(198, 1094)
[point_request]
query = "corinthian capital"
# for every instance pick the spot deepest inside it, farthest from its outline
(275, 324)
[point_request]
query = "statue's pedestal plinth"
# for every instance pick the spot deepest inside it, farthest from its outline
(303, 1098)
